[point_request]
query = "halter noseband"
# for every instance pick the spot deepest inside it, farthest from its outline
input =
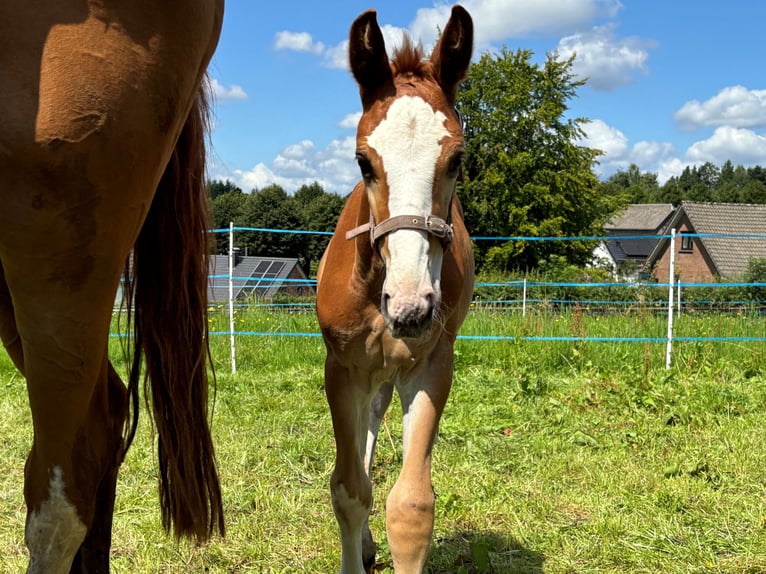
(431, 224)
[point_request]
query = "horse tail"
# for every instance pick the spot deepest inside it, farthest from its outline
(168, 288)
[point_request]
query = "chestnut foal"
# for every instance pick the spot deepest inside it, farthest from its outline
(395, 283)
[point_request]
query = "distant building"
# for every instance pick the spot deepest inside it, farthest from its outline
(623, 250)
(261, 277)
(702, 259)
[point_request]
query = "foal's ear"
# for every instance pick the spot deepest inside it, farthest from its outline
(452, 54)
(368, 59)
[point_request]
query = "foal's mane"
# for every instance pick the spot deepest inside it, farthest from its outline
(409, 60)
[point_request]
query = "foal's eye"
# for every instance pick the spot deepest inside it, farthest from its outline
(365, 165)
(456, 162)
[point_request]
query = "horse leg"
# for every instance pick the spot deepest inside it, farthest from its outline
(71, 472)
(60, 341)
(378, 409)
(410, 504)
(350, 486)
(93, 555)
(9, 334)
(49, 552)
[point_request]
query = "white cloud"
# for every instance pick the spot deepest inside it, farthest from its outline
(603, 137)
(335, 169)
(494, 21)
(497, 20)
(222, 93)
(351, 121)
(297, 42)
(657, 157)
(332, 56)
(671, 167)
(257, 178)
(740, 145)
(303, 163)
(733, 106)
(337, 56)
(607, 62)
(653, 157)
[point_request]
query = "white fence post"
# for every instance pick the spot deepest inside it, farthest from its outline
(524, 299)
(231, 298)
(671, 283)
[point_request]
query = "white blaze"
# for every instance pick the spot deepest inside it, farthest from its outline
(408, 143)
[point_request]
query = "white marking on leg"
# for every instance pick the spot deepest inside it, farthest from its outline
(351, 514)
(378, 407)
(414, 399)
(54, 532)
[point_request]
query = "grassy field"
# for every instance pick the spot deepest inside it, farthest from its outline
(554, 457)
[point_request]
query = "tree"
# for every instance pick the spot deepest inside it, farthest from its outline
(694, 184)
(632, 186)
(228, 205)
(319, 211)
(272, 208)
(308, 193)
(218, 187)
(754, 191)
(309, 209)
(228, 208)
(726, 188)
(525, 174)
(756, 273)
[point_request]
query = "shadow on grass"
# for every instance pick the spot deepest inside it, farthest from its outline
(483, 553)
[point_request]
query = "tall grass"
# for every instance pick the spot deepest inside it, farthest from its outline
(554, 456)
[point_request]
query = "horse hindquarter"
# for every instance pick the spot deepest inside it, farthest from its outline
(90, 119)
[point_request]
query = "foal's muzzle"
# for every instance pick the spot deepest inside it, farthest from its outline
(409, 316)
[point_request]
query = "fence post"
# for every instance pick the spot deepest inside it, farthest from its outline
(524, 299)
(671, 283)
(231, 298)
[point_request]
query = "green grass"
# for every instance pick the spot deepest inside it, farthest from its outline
(553, 457)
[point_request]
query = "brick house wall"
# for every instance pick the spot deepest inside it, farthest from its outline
(691, 265)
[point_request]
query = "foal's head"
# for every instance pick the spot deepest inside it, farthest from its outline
(410, 148)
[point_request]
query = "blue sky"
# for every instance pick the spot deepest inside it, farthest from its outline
(671, 82)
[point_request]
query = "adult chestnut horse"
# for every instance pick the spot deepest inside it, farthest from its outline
(102, 131)
(395, 283)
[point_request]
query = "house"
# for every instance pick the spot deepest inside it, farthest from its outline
(261, 277)
(631, 236)
(720, 251)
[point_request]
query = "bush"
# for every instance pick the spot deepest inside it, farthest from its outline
(756, 273)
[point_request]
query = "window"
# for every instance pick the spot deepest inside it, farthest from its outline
(687, 243)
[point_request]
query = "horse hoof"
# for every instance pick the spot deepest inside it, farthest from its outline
(368, 556)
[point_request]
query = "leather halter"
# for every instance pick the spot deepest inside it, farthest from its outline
(431, 224)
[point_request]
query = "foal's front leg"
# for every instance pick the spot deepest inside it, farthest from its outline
(410, 504)
(378, 410)
(350, 486)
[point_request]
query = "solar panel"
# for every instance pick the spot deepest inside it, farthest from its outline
(252, 275)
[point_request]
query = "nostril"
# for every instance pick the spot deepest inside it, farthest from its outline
(385, 300)
(431, 303)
